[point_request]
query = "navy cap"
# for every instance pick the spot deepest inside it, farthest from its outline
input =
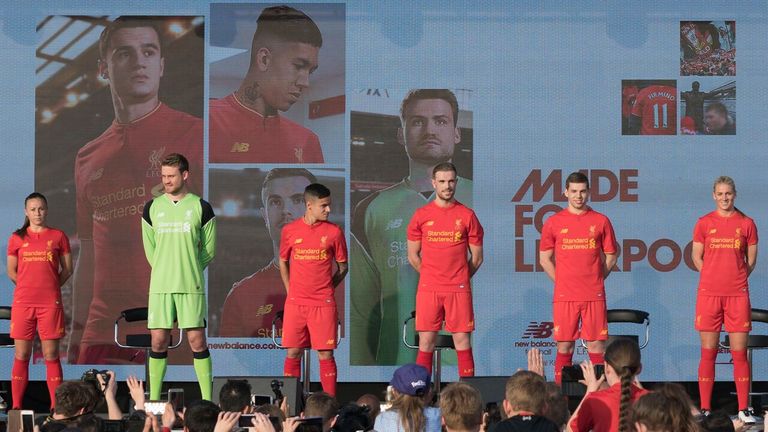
(411, 379)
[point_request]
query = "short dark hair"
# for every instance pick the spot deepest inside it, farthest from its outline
(421, 94)
(577, 177)
(316, 191)
(353, 417)
(127, 22)
(73, 396)
(278, 173)
(286, 24)
(444, 166)
(235, 395)
(201, 416)
(321, 404)
(719, 107)
(526, 391)
(176, 160)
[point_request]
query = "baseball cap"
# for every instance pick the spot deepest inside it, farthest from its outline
(411, 379)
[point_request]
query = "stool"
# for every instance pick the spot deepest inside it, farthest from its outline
(306, 353)
(442, 341)
(754, 342)
(632, 316)
(5, 342)
(142, 340)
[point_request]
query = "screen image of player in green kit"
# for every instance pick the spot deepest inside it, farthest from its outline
(383, 284)
(179, 233)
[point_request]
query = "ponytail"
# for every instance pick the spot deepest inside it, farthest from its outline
(410, 412)
(623, 355)
(625, 404)
(22, 232)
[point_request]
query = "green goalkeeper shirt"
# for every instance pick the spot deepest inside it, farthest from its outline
(179, 241)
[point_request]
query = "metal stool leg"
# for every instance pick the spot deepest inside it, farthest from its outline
(307, 357)
(437, 368)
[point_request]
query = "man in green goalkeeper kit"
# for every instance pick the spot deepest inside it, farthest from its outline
(384, 284)
(179, 232)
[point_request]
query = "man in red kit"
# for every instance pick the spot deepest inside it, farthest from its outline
(309, 246)
(439, 235)
(115, 174)
(245, 127)
(578, 251)
(252, 303)
(628, 96)
(654, 111)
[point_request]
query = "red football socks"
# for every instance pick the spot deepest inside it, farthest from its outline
(562, 360)
(707, 376)
(328, 375)
(19, 381)
(425, 359)
(741, 377)
(466, 362)
(292, 367)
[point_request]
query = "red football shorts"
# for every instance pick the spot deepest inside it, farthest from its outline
(49, 322)
(305, 326)
(711, 311)
(593, 316)
(455, 308)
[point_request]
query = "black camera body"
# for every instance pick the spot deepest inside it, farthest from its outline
(92, 375)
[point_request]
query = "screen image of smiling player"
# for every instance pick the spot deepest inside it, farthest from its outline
(115, 174)
(246, 126)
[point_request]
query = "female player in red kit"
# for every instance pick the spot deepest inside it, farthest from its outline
(725, 252)
(39, 262)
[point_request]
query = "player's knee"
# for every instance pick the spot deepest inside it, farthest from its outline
(325, 354)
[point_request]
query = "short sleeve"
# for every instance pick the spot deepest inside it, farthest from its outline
(699, 234)
(64, 245)
(609, 238)
(752, 233)
(285, 244)
(340, 247)
(414, 227)
(584, 419)
(83, 209)
(547, 239)
(13, 245)
(475, 231)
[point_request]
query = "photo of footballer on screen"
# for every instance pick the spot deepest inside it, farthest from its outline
(253, 206)
(104, 123)
(280, 99)
(651, 106)
(415, 131)
(709, 106)
(708, 48)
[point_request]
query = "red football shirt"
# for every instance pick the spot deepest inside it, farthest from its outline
(241, 135)
(253, 302)
(37, 272)
(578, 241)
(445, 234)
(310, 251)
(656, 105)
(115, 175)
(599, 411)
(725, 240)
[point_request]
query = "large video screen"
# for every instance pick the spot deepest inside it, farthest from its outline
(641, 97)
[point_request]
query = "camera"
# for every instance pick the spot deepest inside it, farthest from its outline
(92, 375)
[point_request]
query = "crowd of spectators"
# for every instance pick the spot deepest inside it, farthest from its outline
(614, 401)
(716, 62)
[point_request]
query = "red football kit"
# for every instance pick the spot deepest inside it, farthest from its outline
(656, 105)
(723, 293)
(599, 411)
(444, 291)
(628, 95)
(252, 303)
(578, 242)
(310, 307)
(37, 296)
(115, 175)
(239, 134)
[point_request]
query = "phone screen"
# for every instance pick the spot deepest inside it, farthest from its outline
(245, 421)
(27, 421)
(155, 407)
(176, 398)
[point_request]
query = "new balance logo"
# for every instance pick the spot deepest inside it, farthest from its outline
(394, 224)
(538, 330)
